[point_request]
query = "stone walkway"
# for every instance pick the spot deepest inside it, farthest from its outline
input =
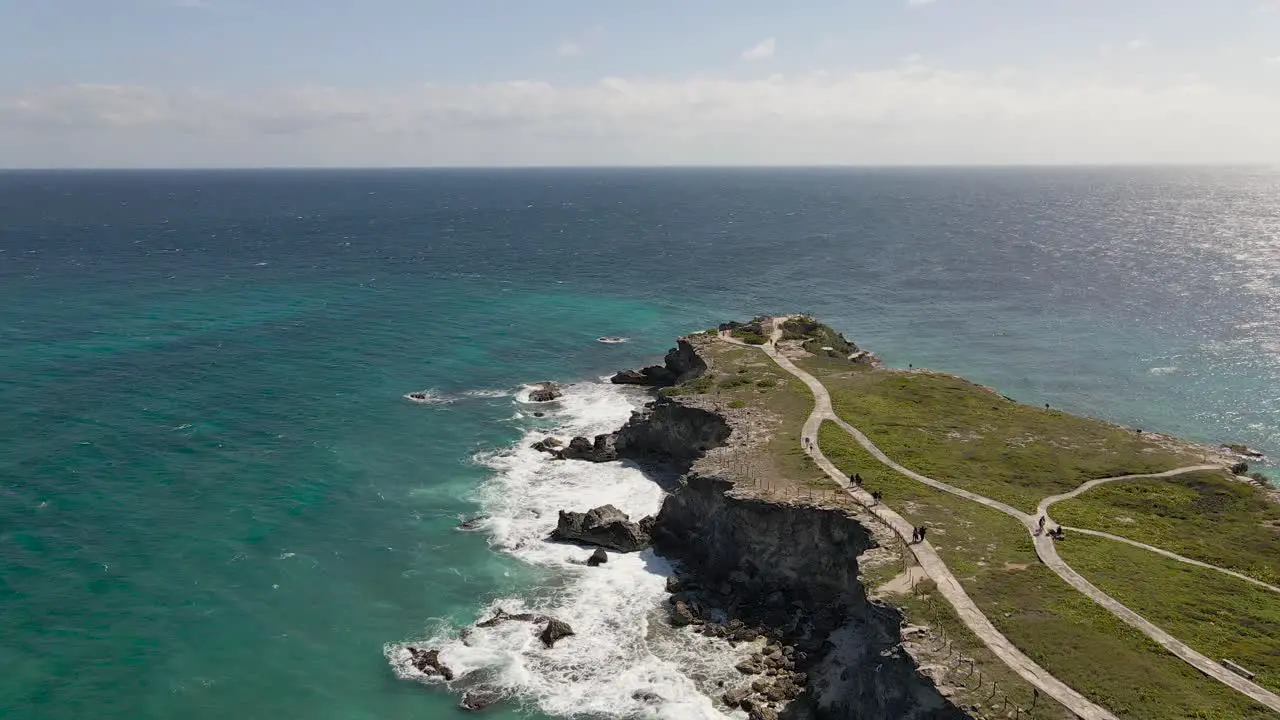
(949, 587)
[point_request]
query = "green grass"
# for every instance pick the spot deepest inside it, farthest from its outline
(748, 337)
(1216, 614)
(1062, 630)
(1203, 516)
(966, 435)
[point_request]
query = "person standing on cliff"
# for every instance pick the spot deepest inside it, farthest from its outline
(923, 529)
(1042, 519)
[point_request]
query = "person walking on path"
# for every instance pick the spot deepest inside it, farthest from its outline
(923, 529)
(1042, 519)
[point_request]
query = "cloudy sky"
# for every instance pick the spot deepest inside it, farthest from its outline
(251, 83)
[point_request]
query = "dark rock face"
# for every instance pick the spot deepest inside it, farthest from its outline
(652, 376)
(680, 364)
(545, 392)
(792, 572)
(548, 445)
(602, 449)
(428, 662)
(599, 557)
(475, 700)
(555, 630)
(669, 430)
(605, 526)
(681, 615)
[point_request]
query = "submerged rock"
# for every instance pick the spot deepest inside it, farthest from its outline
(545, 392)
(605, 526)
(479, 699)
(555, 630)
(599, 557)
(734, 697)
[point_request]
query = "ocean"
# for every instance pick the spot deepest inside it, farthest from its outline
(215, 501)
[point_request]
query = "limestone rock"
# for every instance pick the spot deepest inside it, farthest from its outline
(548, 445)
(601, 449)
(673, 584)
(605, 526)
(734, 697)
(545, 392)
(599, 557)
(428, 662)
(760, 712)
(681, 615)
(555, 630)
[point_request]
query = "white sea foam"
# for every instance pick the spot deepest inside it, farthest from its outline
(624, 661)
(1168, 370)
(428, 397)
(486, 393)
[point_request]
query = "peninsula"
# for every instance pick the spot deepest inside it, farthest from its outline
(908, 544)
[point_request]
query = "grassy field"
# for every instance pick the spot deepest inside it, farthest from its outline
(1063, 631)
(1218, 615)
(968, 436)
(1203, 516)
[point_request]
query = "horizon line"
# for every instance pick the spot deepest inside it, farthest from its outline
(377, 168)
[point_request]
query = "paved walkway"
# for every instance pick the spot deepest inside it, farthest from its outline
(1175, 556)
(949, 587)
(1048, 502)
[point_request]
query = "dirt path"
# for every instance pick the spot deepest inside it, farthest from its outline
(949, 587)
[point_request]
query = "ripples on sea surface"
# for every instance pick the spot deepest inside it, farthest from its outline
(214, 500)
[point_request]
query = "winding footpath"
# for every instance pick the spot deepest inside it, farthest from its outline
(949, 587)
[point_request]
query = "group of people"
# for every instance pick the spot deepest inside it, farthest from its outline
(1056, 533)
(917, 534)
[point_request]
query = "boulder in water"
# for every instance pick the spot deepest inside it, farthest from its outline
(545, 392)
(734, 697)
(547, 444)
(681, 615)
(479, 699)
(601, 449)
(652, 376)
(428, 662)
(605, 526)
(599, 557)
(555, 630)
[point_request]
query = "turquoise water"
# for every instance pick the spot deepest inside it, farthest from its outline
(215, 501)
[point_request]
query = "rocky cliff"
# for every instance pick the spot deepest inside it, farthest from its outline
(794, 569)
(789, 569)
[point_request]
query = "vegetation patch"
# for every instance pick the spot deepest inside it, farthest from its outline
(1216, 614)
(969, 436)
(1204, 516)
(1062, 630)
(748, 337)
(816, 338)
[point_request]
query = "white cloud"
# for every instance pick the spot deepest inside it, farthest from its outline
(919, 3)
(903, 115)
(1138, 44)
(762, 50)
(569, 48)
(1274, 60)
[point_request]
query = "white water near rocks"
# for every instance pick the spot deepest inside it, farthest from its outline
(624, 660)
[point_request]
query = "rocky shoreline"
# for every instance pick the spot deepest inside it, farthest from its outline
(781, 576)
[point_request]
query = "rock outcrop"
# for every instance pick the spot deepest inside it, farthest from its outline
(545, 392)
(605, 526)
(792, 570)
(548, 445)
(598, 558)
(555, 630)
(681, 363)
(669, 430)
(601, 449)
(428, 662)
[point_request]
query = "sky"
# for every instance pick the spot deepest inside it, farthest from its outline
(408, 83)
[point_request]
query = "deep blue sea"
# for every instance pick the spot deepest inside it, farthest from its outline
(216, 503)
